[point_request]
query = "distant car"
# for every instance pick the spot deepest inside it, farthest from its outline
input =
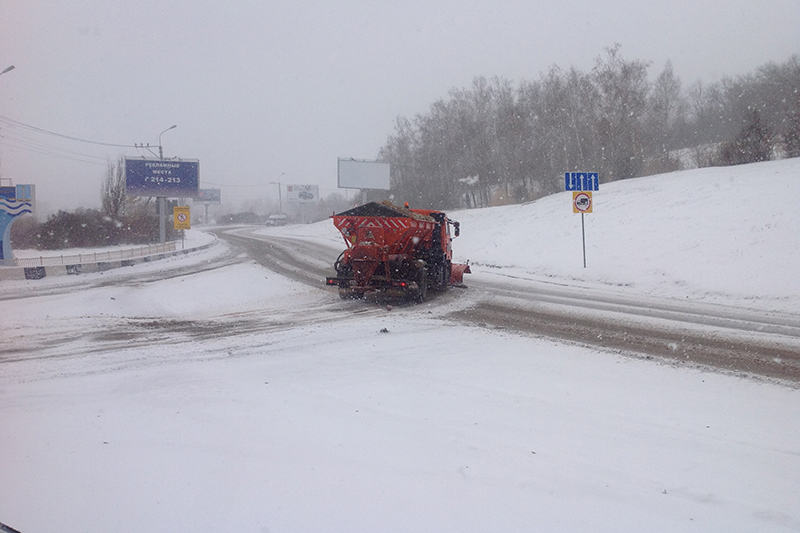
(277, 220)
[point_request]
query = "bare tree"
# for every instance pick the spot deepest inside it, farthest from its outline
(623, 90)
(495, 139)
(112, 194)
(666, 116)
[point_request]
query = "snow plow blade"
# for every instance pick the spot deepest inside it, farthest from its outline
(457, 272)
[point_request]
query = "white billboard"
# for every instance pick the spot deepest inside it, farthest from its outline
(355, 174)
(302, 194)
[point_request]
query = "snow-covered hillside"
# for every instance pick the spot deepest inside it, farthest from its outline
(719, 234)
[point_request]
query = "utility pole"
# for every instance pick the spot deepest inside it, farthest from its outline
(280, 200)
(162, 215)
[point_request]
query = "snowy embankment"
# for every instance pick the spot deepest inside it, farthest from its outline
(238, 400)
(728, 235)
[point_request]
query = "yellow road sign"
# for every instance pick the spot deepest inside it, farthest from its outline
(182, 217)
(582, 201)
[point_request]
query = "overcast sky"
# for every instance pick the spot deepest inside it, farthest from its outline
(278, 90)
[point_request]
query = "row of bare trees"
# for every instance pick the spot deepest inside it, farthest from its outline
(496, 137)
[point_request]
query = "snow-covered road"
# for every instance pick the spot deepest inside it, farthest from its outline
(731, 338)
(317, 419)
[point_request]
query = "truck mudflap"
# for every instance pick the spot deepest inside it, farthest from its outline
(457, 271)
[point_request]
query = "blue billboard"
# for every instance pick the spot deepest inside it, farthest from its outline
(162, 177)
(208, 196)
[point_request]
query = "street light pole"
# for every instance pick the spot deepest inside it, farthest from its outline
(8, 69)
(280, 200)
(162, 215)
(160, 149)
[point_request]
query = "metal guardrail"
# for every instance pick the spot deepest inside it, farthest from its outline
(94, 257)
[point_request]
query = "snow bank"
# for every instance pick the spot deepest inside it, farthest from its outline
(719, 234)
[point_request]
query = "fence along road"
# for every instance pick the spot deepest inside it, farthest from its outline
(92, 257)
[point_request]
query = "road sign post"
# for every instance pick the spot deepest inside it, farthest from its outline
(583, 240)
(181, 220)
(582, 184)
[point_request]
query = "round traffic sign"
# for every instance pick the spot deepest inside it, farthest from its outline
(582, 202)
(182, 217)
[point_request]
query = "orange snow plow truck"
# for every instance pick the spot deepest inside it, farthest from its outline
(396, 251)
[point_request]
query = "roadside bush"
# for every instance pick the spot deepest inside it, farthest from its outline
(83, 228)
(751, 145)
(791, 134)
(88, 228)
(24, 232)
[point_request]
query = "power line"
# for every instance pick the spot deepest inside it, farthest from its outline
(232, 185)
(43, 152)
(8, 136)
(13, 122)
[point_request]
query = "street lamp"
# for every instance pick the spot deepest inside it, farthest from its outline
(278, 183)
(7, 69)
(160, 149)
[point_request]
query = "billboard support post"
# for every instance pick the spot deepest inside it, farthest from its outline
(162, 226)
